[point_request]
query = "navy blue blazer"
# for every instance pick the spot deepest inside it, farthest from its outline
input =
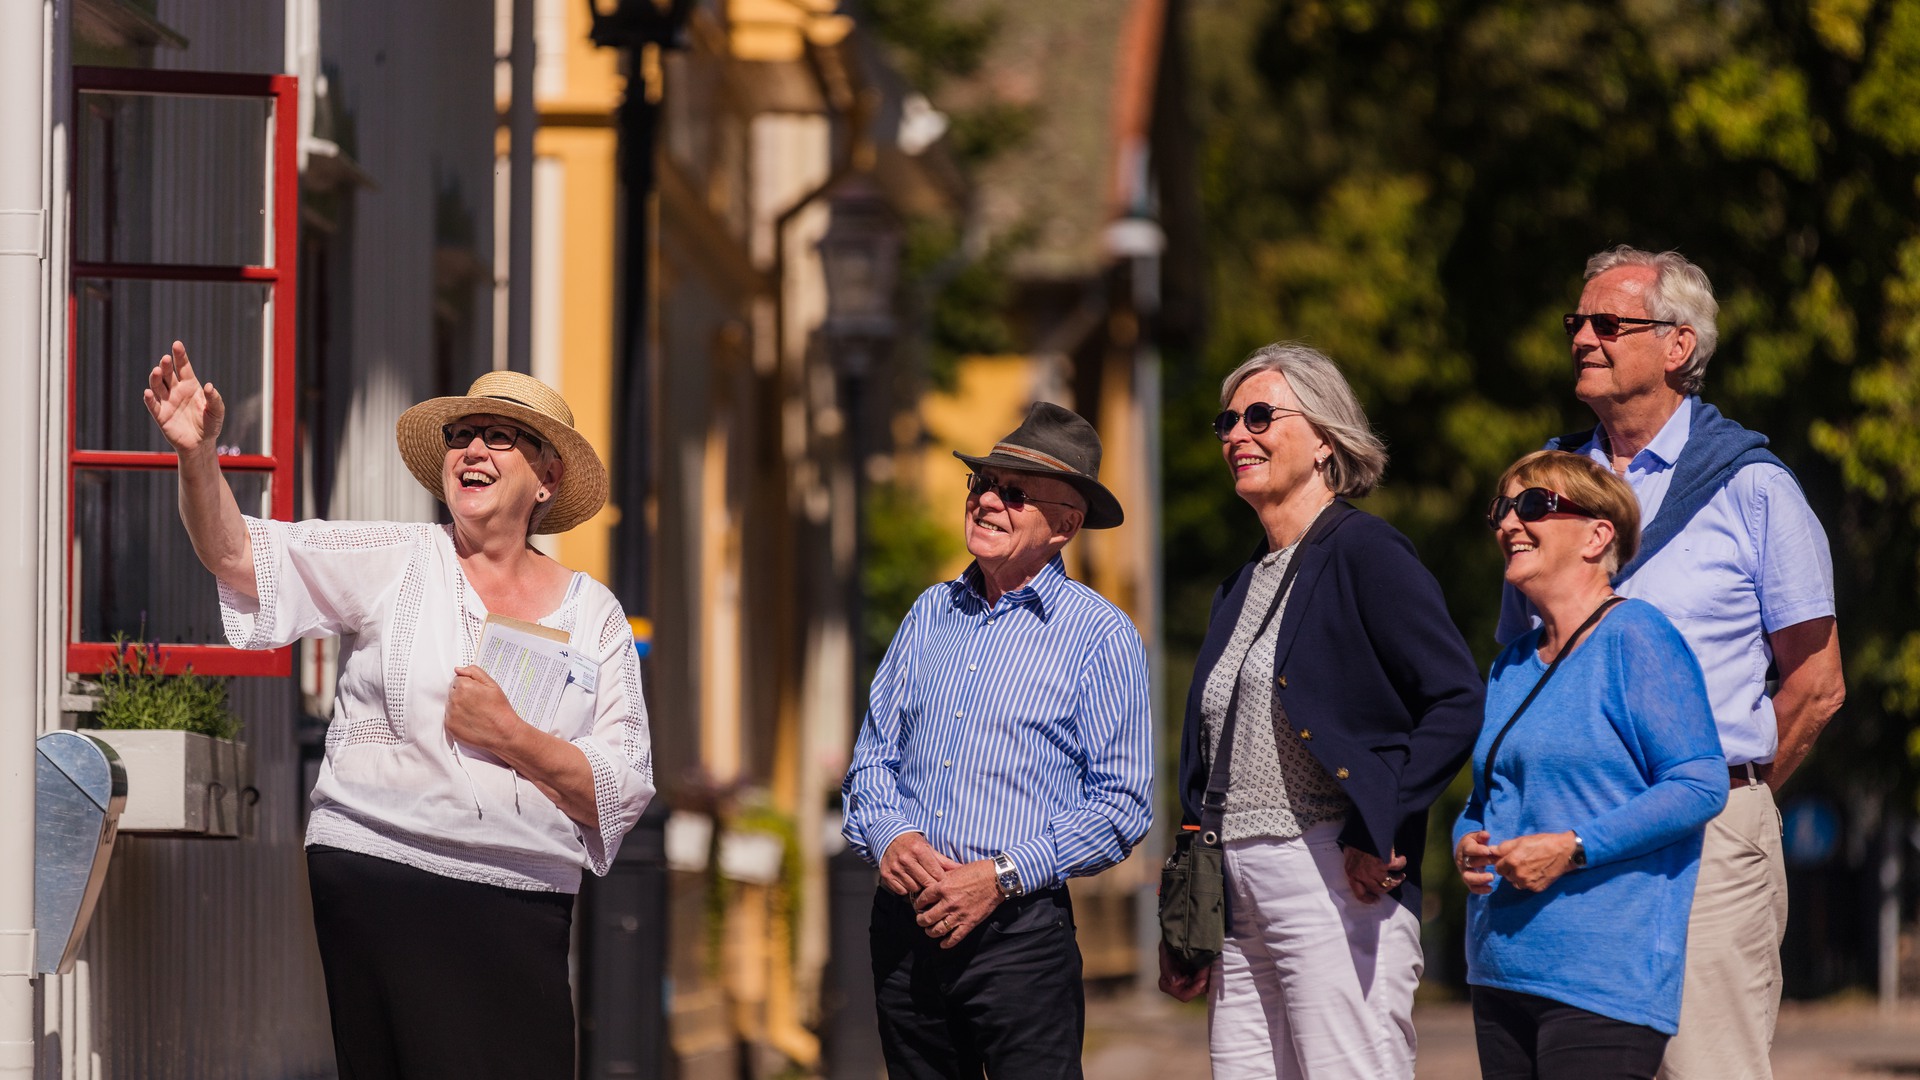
(1375, 678)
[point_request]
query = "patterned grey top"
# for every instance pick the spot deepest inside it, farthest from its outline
(1271, 791)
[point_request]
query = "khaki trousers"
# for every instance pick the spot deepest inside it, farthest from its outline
(1731, 998)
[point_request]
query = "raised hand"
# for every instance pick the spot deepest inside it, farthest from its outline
(190, 413)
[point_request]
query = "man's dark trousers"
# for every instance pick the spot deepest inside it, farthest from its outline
(1005, 1002)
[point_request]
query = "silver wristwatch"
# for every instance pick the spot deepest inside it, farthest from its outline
(1006, 876)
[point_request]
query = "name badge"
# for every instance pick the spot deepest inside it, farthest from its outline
(582, 671)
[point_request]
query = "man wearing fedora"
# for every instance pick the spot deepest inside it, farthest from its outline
(1007, 747)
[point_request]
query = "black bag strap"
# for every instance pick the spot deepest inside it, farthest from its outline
(1479, 801)
(1213, 804)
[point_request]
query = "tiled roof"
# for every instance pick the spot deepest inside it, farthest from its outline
(1064, 57)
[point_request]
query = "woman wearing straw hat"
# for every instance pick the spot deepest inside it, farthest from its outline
(447, 834)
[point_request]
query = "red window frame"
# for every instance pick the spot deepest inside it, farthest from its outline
(283, 193)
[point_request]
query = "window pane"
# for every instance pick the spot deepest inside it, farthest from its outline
(171, 180)
(125, 326)
(133, 564)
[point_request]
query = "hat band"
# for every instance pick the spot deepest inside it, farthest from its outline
(1035, 456)
(514, 400)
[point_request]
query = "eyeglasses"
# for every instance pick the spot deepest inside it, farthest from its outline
(1532, 505)
(1013, 497)
(496, 436)
(1258, 417)
(1606, 325)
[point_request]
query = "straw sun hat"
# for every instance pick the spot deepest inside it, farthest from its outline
(533, 405)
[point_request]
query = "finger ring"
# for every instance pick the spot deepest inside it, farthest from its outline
(1386, 883)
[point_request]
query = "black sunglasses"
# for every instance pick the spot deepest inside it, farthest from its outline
(1258, 417)
(496, 436)
(1606, 324)
(1013, 497)
(1532, 505)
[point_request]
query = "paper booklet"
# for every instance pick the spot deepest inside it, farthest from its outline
(530, 662)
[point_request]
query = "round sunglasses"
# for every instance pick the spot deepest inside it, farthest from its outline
(1258, 417)
(1606, 325)
(1532, 505)
(1013, 497)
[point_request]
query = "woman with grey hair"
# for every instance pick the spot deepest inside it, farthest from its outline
(1332, 702)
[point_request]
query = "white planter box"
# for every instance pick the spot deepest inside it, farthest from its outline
(181, 782)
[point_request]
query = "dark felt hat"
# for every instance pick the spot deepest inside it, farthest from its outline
(1058, 443)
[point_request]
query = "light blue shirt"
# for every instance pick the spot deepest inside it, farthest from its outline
(1619, 748)
(1752, 561)
(1021, 726)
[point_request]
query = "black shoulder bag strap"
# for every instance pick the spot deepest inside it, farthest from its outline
(1213, 804)
(1478, 804)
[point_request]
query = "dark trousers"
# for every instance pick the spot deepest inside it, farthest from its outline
(432, 977)
(1526, 1037)
(1005, 1003)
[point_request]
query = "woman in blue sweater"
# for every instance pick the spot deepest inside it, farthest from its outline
(1594, 777)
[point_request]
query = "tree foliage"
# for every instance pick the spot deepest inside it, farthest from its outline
(1414, 186)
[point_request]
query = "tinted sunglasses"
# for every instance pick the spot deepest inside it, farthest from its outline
(1258, 417)
(1013, 497)
(1606, 324)
(496, 436)
(1532, 505)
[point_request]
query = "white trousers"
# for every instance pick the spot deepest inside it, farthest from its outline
(1312, 983)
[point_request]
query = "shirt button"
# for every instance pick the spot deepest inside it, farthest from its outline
(939, 813)
(946, 764)
(973, 667)
(956, 716)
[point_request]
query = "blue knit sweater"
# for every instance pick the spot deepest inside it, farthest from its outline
(1621, 748)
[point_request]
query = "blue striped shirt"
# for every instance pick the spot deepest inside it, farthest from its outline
(1021, 726)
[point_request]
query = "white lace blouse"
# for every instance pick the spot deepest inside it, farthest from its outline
(393, 785)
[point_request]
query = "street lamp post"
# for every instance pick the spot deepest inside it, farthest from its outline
(859, 258)
(624, 917)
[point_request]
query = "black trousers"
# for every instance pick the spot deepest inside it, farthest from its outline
(432, 977)
(1005, 1003)
(1526, 1037)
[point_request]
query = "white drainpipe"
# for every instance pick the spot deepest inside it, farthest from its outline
(23, 230)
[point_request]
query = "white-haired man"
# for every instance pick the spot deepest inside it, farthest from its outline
(1731, 553)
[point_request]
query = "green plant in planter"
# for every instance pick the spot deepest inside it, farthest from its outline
(137, 695)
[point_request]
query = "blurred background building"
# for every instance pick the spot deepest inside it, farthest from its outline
(728, 231)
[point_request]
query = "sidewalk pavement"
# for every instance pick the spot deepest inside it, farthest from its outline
(1131, 1036)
